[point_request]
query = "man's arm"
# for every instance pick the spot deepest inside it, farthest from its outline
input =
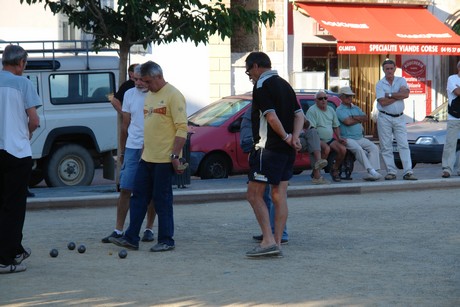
(339, 137)
(116, 105)
(299, 121)
(275, 124)
(34, 120)
(354, 119)
(124, 131)
(403, 93)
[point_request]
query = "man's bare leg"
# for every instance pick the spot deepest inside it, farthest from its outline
(122, 208)
(317, 172)
(279, 196)
(340, 151)
(255, 196)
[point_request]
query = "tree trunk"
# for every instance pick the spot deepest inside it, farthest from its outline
(123, 67)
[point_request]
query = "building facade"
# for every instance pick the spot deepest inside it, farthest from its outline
(302, 50)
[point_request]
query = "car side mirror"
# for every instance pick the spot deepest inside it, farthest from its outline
(235, 125)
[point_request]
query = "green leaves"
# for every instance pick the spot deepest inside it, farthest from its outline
(155, 21)
(149, 21)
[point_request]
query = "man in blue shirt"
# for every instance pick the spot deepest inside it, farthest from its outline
(351, 118)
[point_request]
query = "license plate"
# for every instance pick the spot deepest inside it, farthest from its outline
(395, 148)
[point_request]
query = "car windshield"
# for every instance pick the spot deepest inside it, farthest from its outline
(438, 114)
(218, 112)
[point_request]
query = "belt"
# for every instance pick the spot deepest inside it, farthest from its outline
(392, 115)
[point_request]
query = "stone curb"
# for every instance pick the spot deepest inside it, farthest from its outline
(232, 194)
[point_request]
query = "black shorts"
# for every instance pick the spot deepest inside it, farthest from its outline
(270, 167)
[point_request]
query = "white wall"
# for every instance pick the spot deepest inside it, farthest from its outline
(24, 22)
(185, 65)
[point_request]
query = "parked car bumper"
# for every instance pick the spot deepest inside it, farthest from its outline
(423, 153)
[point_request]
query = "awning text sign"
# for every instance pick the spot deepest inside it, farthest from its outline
(378, 29)
(416, 49)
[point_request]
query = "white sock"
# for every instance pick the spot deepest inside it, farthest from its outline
(372, 172)
(118, 232)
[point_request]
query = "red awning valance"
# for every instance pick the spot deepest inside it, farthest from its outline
(368, 29)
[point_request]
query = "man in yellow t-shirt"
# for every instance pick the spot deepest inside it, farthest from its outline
(165, 133)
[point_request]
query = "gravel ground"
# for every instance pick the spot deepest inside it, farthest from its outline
(382, 249)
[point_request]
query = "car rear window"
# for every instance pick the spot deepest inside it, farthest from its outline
(218, 112)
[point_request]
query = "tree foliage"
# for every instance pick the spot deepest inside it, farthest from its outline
(155, 21)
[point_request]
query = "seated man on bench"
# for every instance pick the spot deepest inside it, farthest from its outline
(351, 118)
(324, 119)
(309, 139)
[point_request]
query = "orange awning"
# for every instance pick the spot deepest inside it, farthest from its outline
(368, 29)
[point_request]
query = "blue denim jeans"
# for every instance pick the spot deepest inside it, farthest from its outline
(153, 180)
(271, 211)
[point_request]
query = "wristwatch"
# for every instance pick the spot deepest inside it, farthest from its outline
(173, 156)
(389, 95)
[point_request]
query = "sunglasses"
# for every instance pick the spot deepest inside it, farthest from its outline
(322, 98)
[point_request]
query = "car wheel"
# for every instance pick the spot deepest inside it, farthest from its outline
(69, 165)
(214, 167)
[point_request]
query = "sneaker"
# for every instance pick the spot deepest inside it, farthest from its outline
(390, 177)
(23, 256)
(12, 268)
(409, 176)
(320, 180)
(148, 236)
(259, 251)
(375, 174)
(320, 164)
(112, 235)
(445, 174)
(123, 243)
(373, 177)
(162, 247)
(259, 238)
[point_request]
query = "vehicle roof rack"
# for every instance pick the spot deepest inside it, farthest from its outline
(58, 47)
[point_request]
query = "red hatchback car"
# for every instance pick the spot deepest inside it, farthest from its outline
(215, 136)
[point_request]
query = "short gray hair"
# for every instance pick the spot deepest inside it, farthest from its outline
(320, 92)
(151, 69)
(137, 69)
(13, 54)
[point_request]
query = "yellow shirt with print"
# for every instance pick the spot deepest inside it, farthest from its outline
(165, 117)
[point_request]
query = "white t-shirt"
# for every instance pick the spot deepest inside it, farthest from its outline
(452, 83)
(17, 94)
(133, 103)
(383, 87)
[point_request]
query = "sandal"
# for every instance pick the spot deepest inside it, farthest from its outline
(335, 175)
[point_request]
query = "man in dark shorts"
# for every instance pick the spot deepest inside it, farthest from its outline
(277, 120)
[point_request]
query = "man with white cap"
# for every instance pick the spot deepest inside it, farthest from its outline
(351, 118)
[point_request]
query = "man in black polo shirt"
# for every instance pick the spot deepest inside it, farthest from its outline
(277, 120)
(117, 100)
